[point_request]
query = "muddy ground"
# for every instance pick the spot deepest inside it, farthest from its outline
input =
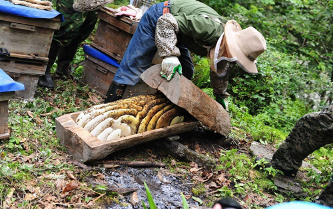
(165, 185)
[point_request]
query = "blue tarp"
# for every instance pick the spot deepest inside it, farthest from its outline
(298, 204)
(100, 55)
(23, 11)
(8, 84)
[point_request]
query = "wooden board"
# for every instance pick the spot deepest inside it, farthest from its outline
(85, 147)
(3, 118)
(23, 66)
(183, 93)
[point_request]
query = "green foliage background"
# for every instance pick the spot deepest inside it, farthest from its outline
(295, 73)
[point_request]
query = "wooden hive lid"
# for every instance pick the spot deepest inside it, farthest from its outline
(183, 93)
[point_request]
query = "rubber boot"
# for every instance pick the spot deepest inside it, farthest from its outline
(115, 92)
(46, 80)
(65, 57)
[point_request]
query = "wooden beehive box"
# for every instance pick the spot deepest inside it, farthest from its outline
(113, 33)
(99, 75)
(27, 36)
(85, 147)
(28, 40)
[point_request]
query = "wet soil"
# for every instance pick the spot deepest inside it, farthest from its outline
(165, 187)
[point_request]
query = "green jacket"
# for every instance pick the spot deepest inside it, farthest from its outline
(195, 30)
(77, 25)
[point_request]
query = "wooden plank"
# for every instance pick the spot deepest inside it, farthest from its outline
(183, 93)
(53, 23)
(5, 96)
(21, 66)
(85, 147)
(29, 57)
(4, 136)
(3, 117)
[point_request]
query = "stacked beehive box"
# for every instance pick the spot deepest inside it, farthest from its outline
(112, 37)
(28, 40)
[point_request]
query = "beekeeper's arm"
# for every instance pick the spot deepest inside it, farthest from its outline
(166, 40)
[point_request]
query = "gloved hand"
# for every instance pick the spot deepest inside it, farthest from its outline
(170, 65)
(223, 102)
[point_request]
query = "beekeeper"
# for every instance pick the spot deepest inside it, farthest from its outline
(176, 27)
(80, 19)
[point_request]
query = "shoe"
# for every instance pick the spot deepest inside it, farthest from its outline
(115, 92)
(228, 203)
(45, 81)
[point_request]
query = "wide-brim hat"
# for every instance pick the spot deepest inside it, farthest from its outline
(246, 45)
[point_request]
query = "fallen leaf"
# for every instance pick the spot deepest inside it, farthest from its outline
(56, 162)
(173, 163)
(76, 199)
(27, 158)
(194, 170)
(48, 206)
(247, 198)
(70, 175)
(198, 178)
(160, 176)
(31, 115)
(70, 186)
(77, 101)
(53, 176)
(198, 200)
(193, 164)
(60, 183)
(31, 189)
(29, 197)
(134, 199)
(94, 99)
(100, 177)
(26, 147)
(197, 148)
(213, 185)
(50, 198)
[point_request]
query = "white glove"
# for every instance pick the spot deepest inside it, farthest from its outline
(170, 65)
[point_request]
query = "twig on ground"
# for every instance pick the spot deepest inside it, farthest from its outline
(131, 163)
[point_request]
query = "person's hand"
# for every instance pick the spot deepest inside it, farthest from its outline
(217, 206)
(170, 65)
